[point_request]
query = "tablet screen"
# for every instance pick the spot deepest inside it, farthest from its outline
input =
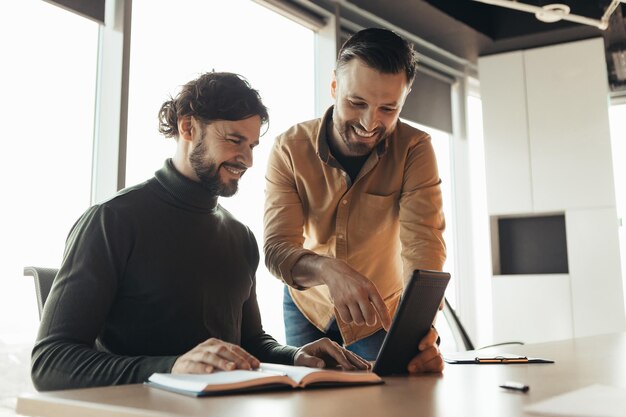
(414, 316)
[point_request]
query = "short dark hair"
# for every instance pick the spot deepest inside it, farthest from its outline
(212, 96)
(380, 49)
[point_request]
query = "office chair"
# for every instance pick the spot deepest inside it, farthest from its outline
(43, 282)
(460, 334)
(456, 327)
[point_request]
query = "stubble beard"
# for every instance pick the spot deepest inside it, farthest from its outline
(208, 171)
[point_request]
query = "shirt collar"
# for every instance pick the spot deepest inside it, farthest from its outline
(323, 151)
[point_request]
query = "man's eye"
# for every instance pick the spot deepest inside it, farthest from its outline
(388, 110)
(356, 103)
(234, 140)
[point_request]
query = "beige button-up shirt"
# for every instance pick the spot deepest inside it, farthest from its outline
(385, 224)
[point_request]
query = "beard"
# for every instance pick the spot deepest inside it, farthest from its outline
(208, 171)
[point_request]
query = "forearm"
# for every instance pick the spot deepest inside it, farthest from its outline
(266, 349)
(280, 256)
(307, 271)
(68, 365)
(355, 297)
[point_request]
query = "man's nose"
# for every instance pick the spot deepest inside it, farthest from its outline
(245, 157)
(368, 120)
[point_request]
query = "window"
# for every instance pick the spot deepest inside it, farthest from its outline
(272, 52)
(48, 85)
(481, 238)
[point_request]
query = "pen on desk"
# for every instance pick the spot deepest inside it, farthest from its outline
(515, 386)
(502, 359)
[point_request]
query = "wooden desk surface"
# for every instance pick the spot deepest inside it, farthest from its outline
(462, 390)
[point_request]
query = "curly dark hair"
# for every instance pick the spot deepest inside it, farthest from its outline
(212, 96)
(380, 49)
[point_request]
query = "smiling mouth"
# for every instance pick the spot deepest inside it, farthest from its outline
(235, 171)
(364, 134)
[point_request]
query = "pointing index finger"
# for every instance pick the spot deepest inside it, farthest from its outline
(381, 309)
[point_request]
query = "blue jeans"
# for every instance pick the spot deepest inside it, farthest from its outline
(300, 331)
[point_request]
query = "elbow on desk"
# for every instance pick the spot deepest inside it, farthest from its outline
(61, 364)
(42, 371)
(50, 368)
(41, 375)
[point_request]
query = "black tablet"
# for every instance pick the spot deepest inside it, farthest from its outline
(416, 312)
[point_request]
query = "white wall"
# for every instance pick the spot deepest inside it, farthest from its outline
(548, 150)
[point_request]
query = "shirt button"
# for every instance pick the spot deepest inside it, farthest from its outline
(344, 202)
(339, 236)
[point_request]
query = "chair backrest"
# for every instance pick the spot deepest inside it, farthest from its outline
(459, 333)
(43, 282)
(456, 327)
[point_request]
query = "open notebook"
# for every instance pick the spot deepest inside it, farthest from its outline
(268, 376)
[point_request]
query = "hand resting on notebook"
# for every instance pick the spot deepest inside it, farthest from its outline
(214, 354)
(324, 353)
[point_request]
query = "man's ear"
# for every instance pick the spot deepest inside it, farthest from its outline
(333, 85)
(184, 128)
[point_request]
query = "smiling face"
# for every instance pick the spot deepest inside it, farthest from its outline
(222, 152)
(367, 107)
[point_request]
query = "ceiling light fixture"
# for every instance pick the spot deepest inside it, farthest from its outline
(555, 12)
(552, 12)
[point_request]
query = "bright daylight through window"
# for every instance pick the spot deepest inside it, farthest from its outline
(274, 53)
(48, 88)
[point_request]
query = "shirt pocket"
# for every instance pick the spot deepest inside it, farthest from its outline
(378, 213)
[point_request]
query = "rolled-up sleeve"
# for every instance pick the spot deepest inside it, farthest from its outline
(284, 216)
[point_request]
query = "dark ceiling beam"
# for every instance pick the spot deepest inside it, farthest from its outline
(92, 9)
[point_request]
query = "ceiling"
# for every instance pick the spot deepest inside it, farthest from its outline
(470, 29)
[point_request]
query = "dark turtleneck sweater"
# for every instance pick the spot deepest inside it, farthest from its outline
(146, 276)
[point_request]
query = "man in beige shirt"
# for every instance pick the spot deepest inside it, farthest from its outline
(353, 204)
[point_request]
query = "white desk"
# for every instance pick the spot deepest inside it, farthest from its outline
(462, 390)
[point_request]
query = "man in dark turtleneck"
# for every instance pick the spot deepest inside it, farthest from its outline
(160, 278)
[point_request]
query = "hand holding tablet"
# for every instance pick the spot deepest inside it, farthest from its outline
(412, 321)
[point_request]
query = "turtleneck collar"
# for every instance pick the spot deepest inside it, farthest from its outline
(186, 191)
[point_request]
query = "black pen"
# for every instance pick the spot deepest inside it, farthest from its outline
(515, 386)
